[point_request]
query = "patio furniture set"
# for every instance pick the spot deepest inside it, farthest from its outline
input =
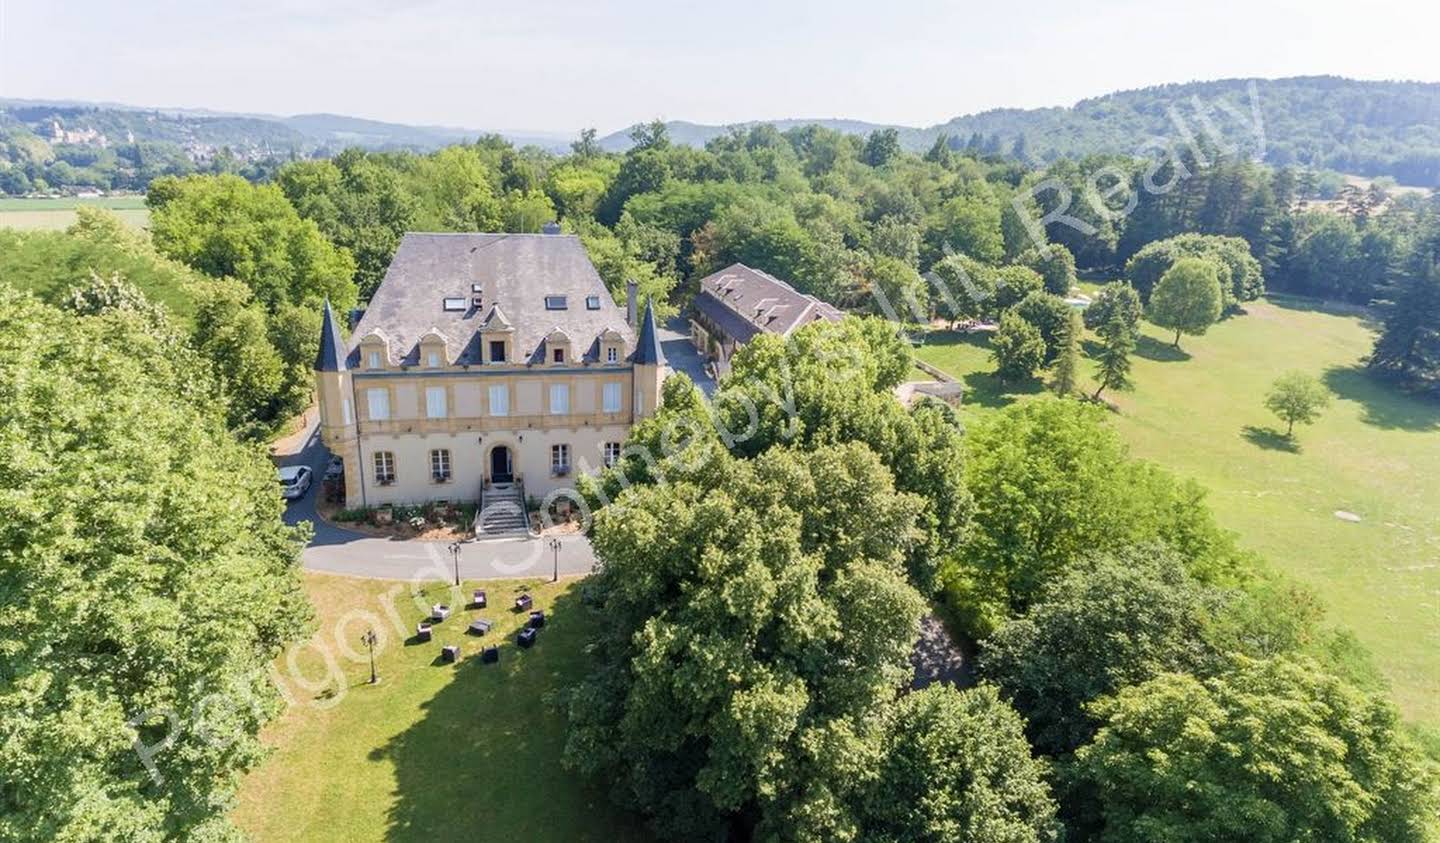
(450, 653)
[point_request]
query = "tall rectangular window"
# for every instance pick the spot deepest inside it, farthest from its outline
(557, 355)
(347, 411)
(434, 402)
(384, 468)
(559, 399)
(440, 465)
(612, 453)
(432, 359)
(560, 459)
(377, 400)
(610, 398)
(374, 360)
(500, 400)
(497, 351)
(612, 355)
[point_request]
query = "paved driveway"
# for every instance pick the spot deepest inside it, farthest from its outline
(681, 355)
(336, 550)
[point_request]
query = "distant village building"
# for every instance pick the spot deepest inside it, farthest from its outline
(494, 362)
(738, 302)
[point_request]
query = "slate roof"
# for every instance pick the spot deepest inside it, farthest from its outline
(331, 356)
(744, 301)
(647, 348)
(514, 272)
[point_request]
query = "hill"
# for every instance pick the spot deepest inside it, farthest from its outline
(1327, 122)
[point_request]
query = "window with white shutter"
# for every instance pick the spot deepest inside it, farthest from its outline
(559, 399)
(499, 400)
(610, 398)
(377, 400)
(434, 402)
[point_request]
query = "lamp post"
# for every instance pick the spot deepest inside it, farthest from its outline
(455, 556)
(555, 548)
(368, 639)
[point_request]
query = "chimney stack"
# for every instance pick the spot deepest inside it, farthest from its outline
(630, 296)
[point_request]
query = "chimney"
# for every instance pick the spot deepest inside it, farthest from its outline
(630, 296)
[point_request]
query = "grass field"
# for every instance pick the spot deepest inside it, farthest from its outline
(1375, 452)
(435, 751)
(56, 214)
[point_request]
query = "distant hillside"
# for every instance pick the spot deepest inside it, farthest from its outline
(698, 134)
(1368, 128)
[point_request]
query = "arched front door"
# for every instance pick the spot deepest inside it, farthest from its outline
(501, 466)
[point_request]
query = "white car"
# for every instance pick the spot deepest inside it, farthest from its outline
(294, 481)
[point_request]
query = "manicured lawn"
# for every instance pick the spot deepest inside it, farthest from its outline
(1375, 452)
(55, 214)
(435, 751)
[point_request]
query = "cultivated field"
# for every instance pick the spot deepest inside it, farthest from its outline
(56, 214)
(1375, 453)
(435, 751)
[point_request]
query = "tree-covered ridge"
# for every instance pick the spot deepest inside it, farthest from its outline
(1371, 128)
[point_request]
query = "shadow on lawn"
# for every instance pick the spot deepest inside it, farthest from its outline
(484, 760)
(1162, 352)
(984, 389)
(1270, 439)
(1382, 405)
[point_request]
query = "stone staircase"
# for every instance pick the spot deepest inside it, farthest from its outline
(502, 512)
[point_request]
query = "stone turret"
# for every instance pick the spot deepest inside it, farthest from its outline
(649, 362)
(333, 396)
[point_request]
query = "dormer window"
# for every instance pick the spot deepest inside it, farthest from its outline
(375, 350)
(433, 353)
(592, 302)
(612, 346)
(556, 303)
(557, 347)
(456, 302)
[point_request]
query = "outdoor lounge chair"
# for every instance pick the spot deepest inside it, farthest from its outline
(537, 619)
(480, 626)
(490, 654)
(479, 601)
(450, 652)
(422, 631)
(526, 636)
(523, 602)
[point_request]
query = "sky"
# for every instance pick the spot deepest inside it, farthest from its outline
(560, 65)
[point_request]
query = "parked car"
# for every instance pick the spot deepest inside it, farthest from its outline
(294, 481)
(335, 470)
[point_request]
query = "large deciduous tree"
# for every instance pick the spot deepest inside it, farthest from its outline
(730, 597)
(1053, 483)
(1017, 348)
(1271, 752)
(1187, 299)
(227, 227)
(1107, 623)
(147, 574)
(955, 766)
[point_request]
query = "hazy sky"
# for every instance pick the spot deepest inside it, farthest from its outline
(561, 65)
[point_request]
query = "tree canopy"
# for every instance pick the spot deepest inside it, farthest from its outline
(1187, 300)
(119, 478)
(1273, 750)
